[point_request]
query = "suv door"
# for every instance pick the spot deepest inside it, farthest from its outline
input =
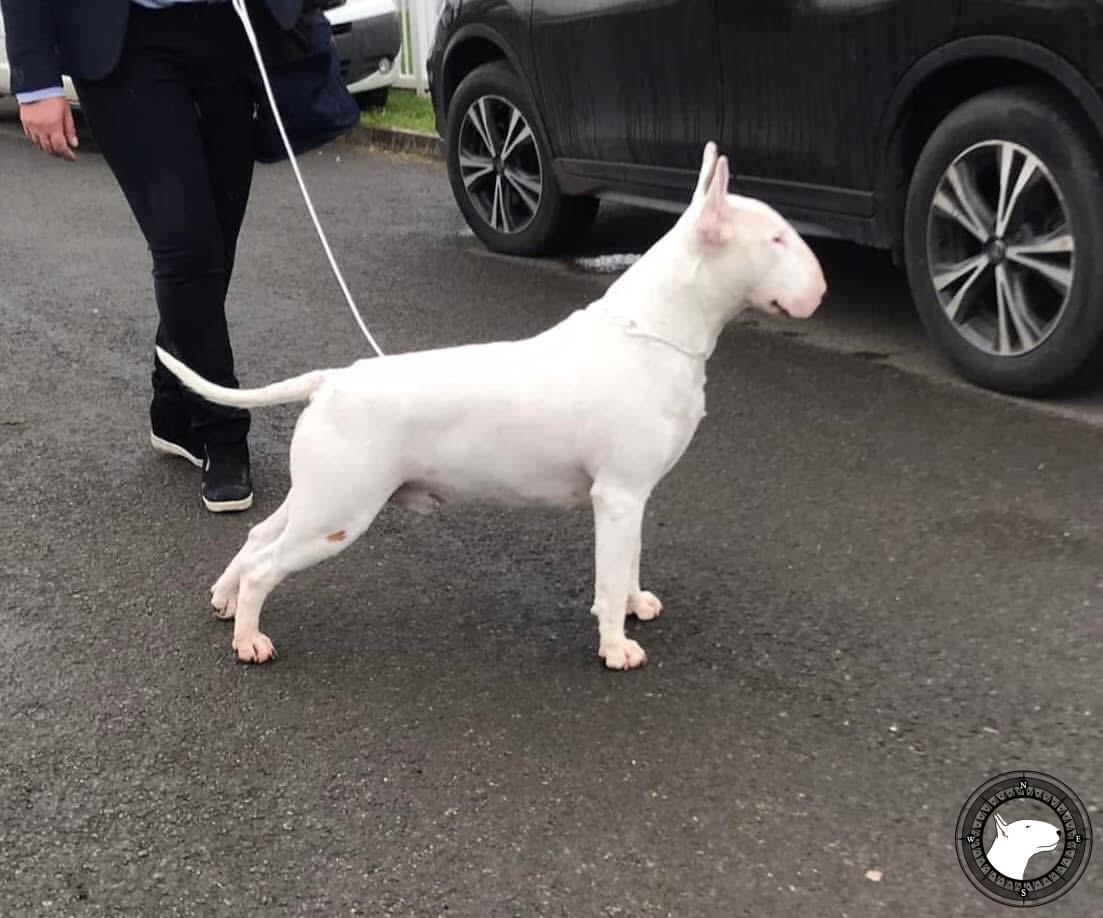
(628, 81)
(806, 82)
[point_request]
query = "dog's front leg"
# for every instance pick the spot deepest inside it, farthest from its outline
(618, 518)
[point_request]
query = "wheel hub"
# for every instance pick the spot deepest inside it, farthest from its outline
(996, 250)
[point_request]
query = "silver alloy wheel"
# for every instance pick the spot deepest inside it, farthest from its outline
(500, 164)
(1001, 253)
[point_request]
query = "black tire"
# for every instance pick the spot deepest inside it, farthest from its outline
(518, 228)
(373, 98)
(1064, 343)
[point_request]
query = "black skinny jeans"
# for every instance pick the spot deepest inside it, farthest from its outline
(174, 121)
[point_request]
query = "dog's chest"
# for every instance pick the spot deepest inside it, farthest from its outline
(689, 416)
(694, 405)
(680, 404)
(680, 396)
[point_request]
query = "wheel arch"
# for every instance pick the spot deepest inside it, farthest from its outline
(472, 46)
(946, 78)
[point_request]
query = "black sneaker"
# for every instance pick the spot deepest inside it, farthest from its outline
(170, 432)
(226, 485)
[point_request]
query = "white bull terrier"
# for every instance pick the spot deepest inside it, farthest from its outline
(598, 408)
(1017, 842)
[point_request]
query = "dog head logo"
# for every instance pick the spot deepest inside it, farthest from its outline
(746, 249)
(1023, 839)
(1017, 842)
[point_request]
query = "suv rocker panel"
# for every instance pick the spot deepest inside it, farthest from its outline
(833, 211)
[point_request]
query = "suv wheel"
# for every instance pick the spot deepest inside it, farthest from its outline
(499, 165)
(1003, 216)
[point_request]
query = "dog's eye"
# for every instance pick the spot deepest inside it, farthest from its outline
(779, 239)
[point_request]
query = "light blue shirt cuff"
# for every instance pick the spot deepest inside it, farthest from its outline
(39, 94)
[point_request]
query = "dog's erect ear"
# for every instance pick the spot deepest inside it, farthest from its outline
(1001, 826)
(715, 219)
(708, 167)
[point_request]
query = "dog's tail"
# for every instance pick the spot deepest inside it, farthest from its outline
(296, 389)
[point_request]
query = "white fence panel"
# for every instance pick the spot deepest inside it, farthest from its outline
(419, 23)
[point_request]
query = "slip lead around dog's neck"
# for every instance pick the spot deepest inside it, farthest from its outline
(631, 327)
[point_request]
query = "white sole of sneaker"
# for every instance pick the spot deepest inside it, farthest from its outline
(173, 449)
(228, 506)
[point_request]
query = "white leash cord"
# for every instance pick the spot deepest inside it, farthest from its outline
(243, 15)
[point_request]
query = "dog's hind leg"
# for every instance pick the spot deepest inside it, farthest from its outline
(642, 604)
(224, 591)
(317, 528)
(618, 518)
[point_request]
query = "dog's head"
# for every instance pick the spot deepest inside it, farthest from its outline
(747, 249)
(1028, 835)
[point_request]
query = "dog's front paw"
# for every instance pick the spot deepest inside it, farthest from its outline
(645, 606)
(622, 654)
(254, 648)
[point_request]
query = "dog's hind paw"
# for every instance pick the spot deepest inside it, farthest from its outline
(623, 654)
(225, 607)
(645, 606)
(256, 648)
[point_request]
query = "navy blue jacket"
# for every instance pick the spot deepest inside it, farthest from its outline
(81, 38)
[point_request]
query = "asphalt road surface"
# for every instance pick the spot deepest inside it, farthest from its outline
(882, 587)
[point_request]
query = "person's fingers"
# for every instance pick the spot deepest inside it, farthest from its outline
(48, 144)
(71, 129)
(31, 127)
(57, 144)
(49, 125)
(60, 140)
(38, 138)
(46, 141)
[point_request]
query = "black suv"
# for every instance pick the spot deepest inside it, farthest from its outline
(964, 135)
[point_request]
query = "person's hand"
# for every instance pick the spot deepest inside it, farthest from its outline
(48, 124)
